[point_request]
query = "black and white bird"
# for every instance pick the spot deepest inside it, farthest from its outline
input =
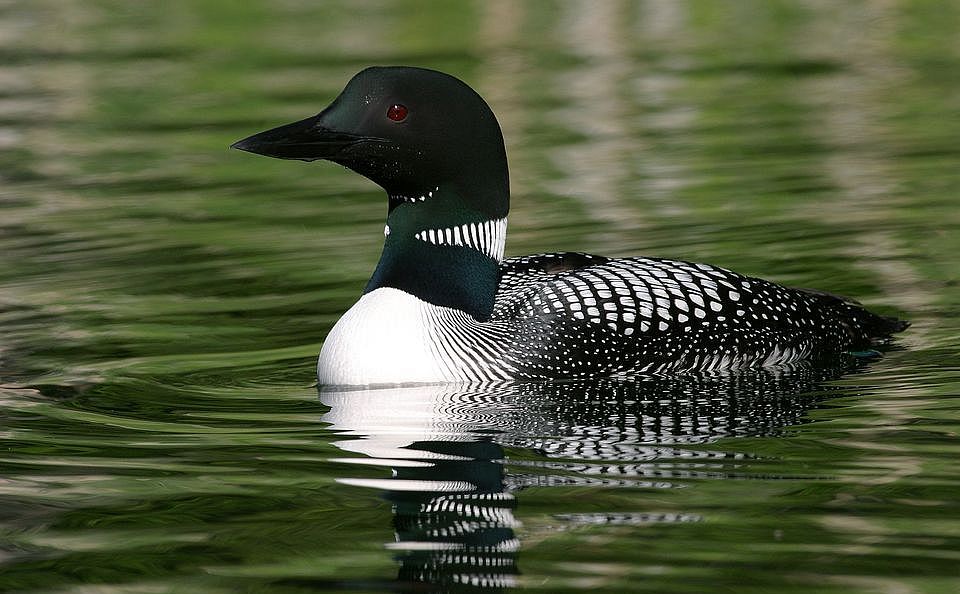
(444, 306)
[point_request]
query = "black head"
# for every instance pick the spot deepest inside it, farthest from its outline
(410, 130)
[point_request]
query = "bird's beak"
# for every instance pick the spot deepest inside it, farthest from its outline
(307, 140)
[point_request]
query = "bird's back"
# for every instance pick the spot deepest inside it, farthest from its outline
(577, 315)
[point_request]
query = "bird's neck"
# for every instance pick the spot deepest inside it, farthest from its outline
(441, 251)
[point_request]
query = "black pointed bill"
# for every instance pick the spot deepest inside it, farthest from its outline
(306, 140)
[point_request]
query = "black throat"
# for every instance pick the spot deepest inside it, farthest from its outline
(456, 276)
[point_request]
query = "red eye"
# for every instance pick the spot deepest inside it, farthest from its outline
(397, 112)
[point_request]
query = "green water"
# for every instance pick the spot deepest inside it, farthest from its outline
(163, 299)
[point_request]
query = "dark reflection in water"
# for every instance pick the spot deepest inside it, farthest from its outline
(455, 526)
(453, 480)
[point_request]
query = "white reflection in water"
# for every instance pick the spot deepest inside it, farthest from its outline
(453, 485)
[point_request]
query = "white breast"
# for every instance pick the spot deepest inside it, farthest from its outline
(385, 338)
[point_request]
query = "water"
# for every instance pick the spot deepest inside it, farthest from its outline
(162, 301)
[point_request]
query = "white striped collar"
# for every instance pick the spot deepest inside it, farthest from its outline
(487, 237)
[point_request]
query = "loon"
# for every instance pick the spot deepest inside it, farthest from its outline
(444, 306)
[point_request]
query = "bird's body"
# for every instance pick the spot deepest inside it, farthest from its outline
(603, 317)
(443, 306)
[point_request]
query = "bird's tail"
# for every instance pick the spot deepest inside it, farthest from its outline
(864, 327)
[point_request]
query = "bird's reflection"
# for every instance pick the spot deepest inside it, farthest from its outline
(452, 486)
